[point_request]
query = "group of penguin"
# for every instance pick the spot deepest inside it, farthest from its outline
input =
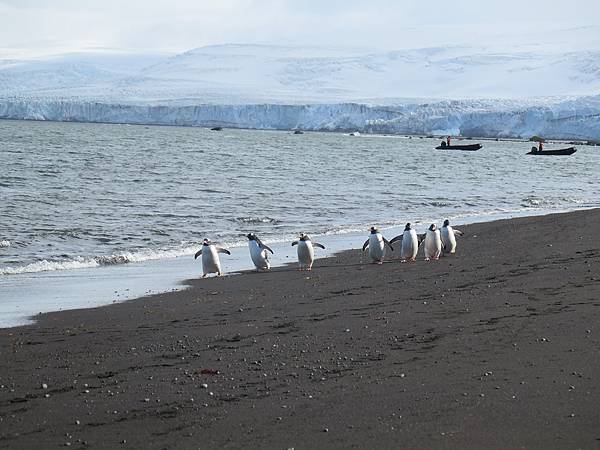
(436, 242)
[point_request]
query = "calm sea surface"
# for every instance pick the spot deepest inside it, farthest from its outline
(76, 196)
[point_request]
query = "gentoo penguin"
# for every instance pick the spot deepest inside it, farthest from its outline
(433, 243)
(376, 244)
(210, 257)
(410, 243)
(449, 238)
(258, 252)
(306, 251)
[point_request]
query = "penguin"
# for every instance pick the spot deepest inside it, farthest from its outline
(410, 243)
(210, 257)
(306, 252)
(433, 243)
(258, 252)
(449, 238)
(376, 244)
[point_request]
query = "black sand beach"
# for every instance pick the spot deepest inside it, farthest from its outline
(495, 348)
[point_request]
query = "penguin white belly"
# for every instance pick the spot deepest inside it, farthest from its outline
(410, 245)
(376, 247)
(433, 244)
(448, 240)
(306, 254)
(210, 260)
(259, 256)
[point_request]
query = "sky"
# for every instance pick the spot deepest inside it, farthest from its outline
(41, 27)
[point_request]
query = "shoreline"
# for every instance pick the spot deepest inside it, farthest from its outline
(106, 285)
(493, 348)
(346, 131)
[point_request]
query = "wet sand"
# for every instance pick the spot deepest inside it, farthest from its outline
(497, 347)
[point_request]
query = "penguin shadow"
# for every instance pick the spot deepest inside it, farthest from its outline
(361, 263)
(333, 262)
(289, 267)
(356, 264)
(327, 262)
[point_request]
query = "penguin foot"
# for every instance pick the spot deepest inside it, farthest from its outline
(204, 276)
(427, 259)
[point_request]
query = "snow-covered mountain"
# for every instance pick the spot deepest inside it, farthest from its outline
(517, 91)
(227, 74)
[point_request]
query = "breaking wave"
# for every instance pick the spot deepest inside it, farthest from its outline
(533, 201)
(139, 256)
(79, 262)
(257, 220)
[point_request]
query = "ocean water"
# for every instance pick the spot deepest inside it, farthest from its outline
(95, 213)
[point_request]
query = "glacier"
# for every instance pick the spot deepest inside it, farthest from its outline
(458, 90)
(575, 119)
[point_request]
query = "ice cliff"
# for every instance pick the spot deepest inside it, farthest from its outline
(500, 93)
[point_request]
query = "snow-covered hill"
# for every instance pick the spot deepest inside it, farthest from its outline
(515, 91)
(254, 73)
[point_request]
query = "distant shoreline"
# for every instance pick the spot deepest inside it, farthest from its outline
(590, 142)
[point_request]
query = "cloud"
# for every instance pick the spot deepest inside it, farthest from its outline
(44, 26)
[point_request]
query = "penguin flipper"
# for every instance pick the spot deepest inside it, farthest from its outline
(223, 250)
(316, 244)
(388, 243)
(294, 243)
(397, 239)
(458, 232)
(198, 253)
(421, 237)
(264, 247)
(365, 245)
